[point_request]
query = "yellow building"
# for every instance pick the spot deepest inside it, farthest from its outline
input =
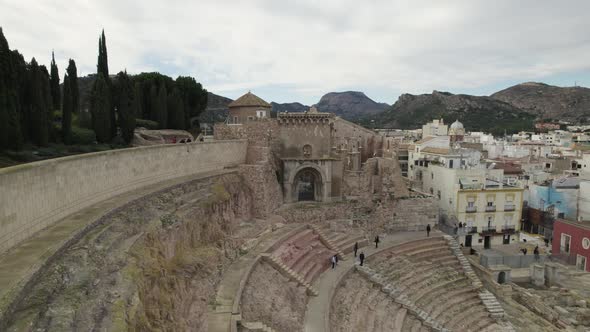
(490, 211)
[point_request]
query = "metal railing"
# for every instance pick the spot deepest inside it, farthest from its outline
(508, 228)
(471, 209)
(490, 208)
(488, 229)
(509, 207)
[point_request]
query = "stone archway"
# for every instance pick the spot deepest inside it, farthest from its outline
(308, 185)
(502, 277)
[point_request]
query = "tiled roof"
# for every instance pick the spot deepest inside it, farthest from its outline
(425, 139)
(436, 150)
(249, 99)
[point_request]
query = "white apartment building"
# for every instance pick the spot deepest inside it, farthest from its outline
(435, 128)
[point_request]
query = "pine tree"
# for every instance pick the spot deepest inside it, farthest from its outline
(75, 92)
(125, 98)
(162, 107)
(55, 93)
(67, 109)
(176, 119)
(100, 109)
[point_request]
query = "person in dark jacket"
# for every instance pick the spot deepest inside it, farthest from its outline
(362, 257)
(356, 248)
(333, 261)
(376, 241)
(428, 230)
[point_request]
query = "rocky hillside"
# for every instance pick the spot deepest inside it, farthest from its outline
(549, 102)
(350, 105)
(476, 113)
(288, 107)
(216, 110)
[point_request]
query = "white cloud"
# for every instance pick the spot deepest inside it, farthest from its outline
(311, 47)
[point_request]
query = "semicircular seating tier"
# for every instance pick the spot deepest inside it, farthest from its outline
(429, 275)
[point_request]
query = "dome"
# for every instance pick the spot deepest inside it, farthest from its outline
(457, 125)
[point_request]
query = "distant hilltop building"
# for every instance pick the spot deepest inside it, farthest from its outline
(248, 107)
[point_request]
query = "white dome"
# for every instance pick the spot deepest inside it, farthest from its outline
(457, 125)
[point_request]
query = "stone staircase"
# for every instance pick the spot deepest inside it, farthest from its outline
(341, 242)
(432, 277)
(289, 273)
(489, 300)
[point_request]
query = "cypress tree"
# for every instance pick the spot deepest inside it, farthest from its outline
(100, 109)
(176, 119)
(103, 63)
(125, 101)
(153, 103)
(103, 97)
(10, 128)
(55, 93)
(39, 133)
(162, 107)
(67, 109)
(75, 92)
(137, 106)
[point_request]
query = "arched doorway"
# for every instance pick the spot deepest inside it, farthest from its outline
(502, 277)
(308, 185)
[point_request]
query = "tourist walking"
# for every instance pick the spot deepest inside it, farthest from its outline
(356, 248)
(536, 252)
(376, 241)
(362, 257)
(333, 260)
(428, 230)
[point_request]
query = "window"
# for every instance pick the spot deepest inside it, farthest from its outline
(235, 119)
(490, 204)
(307, 150)
(581, 262)
(438, 194)
(470, 204)
(586, 243)
(565, 243)
(261, 114)
(432, 175)
(451, 163)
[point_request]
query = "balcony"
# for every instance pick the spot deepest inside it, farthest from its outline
(491, 208)
(509, 207)
(508, 229)
(471, 230)
(471, 209)
(488, 229)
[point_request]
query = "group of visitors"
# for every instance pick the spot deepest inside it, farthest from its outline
(361, 256)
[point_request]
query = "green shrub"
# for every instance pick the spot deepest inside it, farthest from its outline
(148, 124)
(83, 136)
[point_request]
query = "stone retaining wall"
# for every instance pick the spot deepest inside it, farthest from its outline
(36, 195)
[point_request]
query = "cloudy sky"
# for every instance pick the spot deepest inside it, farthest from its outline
(300, 50)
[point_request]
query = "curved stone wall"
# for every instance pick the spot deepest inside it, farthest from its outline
(36, 195)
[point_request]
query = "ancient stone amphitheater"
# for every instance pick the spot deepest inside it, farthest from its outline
(411, 283)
